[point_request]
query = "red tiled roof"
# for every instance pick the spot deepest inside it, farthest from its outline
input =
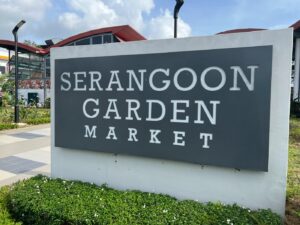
(240, 30)
(296, 25)
(125, 33)
(10, 45)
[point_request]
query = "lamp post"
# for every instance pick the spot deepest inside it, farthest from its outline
(178, 5)
(15, 33)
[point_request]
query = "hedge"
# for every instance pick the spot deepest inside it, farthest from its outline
(5, 126)
(5, 217)
(37, 121)
(42, 200)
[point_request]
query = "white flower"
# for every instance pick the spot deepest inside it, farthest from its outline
(228, 221)
(165, 211)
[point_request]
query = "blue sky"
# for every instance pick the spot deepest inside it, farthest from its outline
(152, 18)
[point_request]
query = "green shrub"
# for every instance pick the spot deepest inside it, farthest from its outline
(6, 126)
(41, 200)
(26, 115)
(5, 217)
(47, 103)
(6, 115)
(36, 121)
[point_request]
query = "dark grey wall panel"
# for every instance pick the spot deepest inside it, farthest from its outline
(240, 135)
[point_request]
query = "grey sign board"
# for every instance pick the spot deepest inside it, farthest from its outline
(210, 107)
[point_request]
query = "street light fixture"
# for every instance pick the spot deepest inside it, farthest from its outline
(15, 33)
(178, 5)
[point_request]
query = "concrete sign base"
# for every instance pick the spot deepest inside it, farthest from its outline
(183, 180)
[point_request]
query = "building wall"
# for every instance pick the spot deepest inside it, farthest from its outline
(23, 94)
(3, 61)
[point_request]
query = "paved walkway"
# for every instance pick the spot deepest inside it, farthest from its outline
(24, 152)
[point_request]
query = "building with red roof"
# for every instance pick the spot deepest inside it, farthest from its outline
(34, 62)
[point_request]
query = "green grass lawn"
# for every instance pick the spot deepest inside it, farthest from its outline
(293, 182)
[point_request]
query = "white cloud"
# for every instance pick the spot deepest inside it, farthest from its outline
(88, 14)
(33, 11)
(50, 18)
(163, 27)
(132, 11)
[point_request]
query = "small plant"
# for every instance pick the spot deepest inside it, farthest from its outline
(47, 103)
(6, 126)
(7, 100)
(5, 217)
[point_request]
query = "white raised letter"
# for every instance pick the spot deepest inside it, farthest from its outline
(133, 109)
(206, 136)
(114, 79)
(205, 72)
(139, 83)
(112, 133)
(112, 107)
(178, 138)
(78, 81)
(166, 82)
(211, 116)
(65, 81)
(90, 132)
(194, 75)
(96, 111)
(237, 70)
(95, 80)
(132, 134)
(154, 139)
(163, 110)
(176, 111)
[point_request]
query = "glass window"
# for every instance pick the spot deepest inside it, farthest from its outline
(107, 38)
(83, 42)
(48, 72)
(97, 40)
(115, 39)
(47, 62)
